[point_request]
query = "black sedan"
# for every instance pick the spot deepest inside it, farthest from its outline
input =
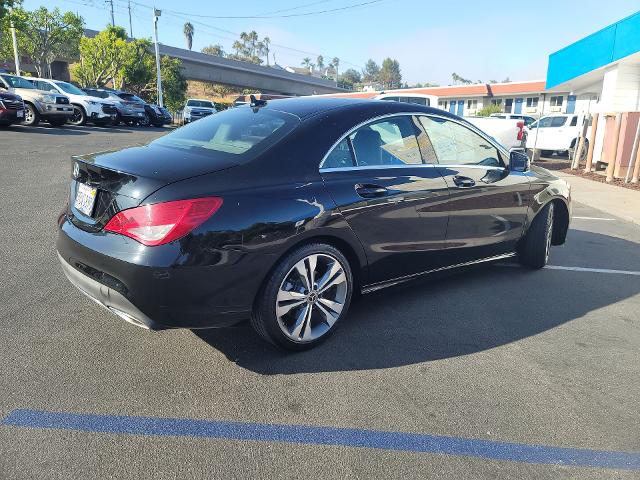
(281, 211)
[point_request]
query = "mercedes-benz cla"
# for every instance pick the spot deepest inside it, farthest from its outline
(281, 211)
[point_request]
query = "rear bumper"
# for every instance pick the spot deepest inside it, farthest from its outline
(106, 297)
(151, 287)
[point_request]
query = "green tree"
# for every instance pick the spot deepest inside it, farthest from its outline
(320, 62)
(266, 42)
(390, 75)
(336, 64)
(188, 34)
(306, 62)
(371, 72)
(350, 77)
(489, 109)
(139, 69)
(102, 58)
(215, 50)
(174, 85)
(249, 48)
(6, 5)
(46, 35)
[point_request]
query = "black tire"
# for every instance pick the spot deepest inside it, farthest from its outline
(546, 153)
(79, 117)
(146, 121)
(583, 153)
(264, 318)
(116, 121)
(57, 122)
(31, 115)
(536, 245)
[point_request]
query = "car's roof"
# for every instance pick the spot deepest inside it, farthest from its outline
(304, 107)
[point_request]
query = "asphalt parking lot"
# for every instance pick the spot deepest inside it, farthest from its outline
(495, 372)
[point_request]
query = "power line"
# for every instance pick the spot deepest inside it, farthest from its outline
(305, 14)
(296, 8)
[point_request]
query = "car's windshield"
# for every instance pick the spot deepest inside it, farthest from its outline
(237, 131)
(17, 82)
(199, 103)
(69, 88)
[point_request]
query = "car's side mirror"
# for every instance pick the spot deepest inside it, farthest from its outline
(518, 161)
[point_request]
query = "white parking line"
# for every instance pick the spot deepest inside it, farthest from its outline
(595, 218)
(577, 269)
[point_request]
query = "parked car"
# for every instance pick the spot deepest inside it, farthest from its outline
(156, 115)
(510, 133)
(11, 109)
(528, 119)
(282, 210)
(195, 109)
(557, 133)
(85, 107)
(130, 108)
(39, 104)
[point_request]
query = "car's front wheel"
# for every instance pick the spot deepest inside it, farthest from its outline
(79, 116)
(536, 245)
(304, 298)
(31, 115)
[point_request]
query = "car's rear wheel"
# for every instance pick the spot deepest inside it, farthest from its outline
(536, 246)
(116, 120)
(304, 298)
(31, 115)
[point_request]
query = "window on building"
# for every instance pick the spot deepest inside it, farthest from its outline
(472, 104)
(532, 102)
(443, 104)
(508, 105)
(496, 101)
(556, 101)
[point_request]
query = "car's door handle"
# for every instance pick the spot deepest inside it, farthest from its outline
(368, 190)
(463, 182)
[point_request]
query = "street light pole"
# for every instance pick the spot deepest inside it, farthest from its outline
(156, 15)
(16, 58)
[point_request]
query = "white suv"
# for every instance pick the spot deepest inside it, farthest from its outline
(195, 109)
(85, 107)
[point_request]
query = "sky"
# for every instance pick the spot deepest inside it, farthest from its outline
(479, 40)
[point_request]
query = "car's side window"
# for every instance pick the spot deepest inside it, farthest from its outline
(340, 156)
(455, 144)
(391, 141)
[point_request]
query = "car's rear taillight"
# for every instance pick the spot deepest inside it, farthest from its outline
(162, 223)
(520, 130)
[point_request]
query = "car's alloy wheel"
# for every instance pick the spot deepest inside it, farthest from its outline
(304, 298)
(78, 118)
(311, 297)
(145, 121)
(31, 115)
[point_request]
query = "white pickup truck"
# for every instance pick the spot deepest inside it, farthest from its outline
(556, 133)
(510, 134)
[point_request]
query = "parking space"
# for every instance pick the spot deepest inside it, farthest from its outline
(494, 372)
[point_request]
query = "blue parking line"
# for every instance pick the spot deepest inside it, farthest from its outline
(347, 437)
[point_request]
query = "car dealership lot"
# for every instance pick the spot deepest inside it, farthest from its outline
(499, 353)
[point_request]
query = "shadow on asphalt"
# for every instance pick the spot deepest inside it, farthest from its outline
(467, 312)
(71, 130)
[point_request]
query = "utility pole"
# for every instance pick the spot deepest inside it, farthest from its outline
(156, 15)
(113, 20)
(16, 58)
(130, 24)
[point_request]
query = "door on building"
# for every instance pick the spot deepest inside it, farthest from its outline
(571, 104)
(460, 108)
(508, 105)
(518, 109)
(452, 106)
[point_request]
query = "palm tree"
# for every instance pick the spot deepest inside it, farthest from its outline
(306, 62)
(320, 62)
(336, 63)
(188, 34)
(266, 41)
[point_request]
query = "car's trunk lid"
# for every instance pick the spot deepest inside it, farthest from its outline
(123, 179)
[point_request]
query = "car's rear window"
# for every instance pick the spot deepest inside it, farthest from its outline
(237, 131)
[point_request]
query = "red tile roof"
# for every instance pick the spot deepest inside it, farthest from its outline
(516, 87)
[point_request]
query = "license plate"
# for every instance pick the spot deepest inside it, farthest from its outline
(20, 114)
(85, 198)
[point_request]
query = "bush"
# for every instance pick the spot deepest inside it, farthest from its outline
(489, 109)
